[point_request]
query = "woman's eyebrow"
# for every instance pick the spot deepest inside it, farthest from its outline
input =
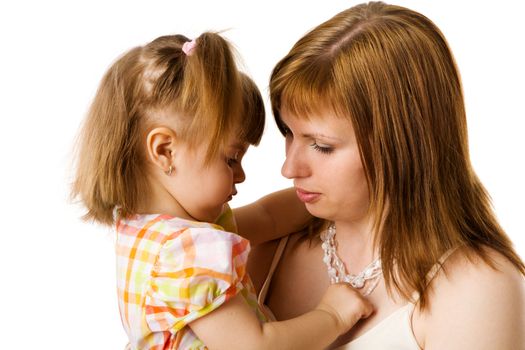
(316, 135)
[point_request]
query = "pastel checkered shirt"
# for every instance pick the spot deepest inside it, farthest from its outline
(171, 271)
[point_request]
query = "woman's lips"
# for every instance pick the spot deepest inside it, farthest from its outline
(305, 196)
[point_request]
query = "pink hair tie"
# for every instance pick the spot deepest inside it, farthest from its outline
(188, 47)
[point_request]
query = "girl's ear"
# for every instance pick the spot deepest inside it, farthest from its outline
(160, 145)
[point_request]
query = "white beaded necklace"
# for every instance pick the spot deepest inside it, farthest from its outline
(336, 268)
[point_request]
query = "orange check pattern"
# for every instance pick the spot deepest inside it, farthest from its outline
(171, 271)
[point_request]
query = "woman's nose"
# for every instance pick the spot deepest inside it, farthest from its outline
(294, 165)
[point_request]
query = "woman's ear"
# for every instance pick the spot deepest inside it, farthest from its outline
(160, 145)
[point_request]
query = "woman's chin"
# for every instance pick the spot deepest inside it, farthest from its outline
(318, 211)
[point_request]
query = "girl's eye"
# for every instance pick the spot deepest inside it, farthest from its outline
(233, 160)
(322, 149)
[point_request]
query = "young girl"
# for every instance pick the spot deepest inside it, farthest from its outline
(160, 156)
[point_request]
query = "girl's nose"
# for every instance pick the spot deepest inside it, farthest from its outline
(238, 174)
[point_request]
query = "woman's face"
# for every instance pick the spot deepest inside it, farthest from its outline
(322, 157)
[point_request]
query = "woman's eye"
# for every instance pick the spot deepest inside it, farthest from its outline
(322, 149)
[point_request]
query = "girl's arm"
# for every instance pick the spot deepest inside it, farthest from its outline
(473, 306)
(234, 324)
(275, 215)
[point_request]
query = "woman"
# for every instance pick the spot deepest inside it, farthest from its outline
(370, 103)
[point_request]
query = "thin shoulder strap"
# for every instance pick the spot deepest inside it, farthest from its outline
(276, 258)
(437, 266)
(434, 270)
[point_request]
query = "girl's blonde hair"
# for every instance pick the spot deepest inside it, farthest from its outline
(253, 112)
(389, 70)
(202, 88)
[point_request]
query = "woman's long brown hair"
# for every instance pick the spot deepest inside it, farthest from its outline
(389, 70)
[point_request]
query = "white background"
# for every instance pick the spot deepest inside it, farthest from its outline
(57, 287)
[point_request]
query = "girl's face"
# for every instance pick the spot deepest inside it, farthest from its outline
(322, 157)
(202, 190)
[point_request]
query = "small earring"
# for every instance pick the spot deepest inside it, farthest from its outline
(170, 170)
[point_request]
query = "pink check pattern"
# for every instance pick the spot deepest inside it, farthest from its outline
(171, 271)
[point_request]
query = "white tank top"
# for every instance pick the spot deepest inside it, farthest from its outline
(393, 333)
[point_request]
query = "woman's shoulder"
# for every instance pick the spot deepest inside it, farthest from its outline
(467, 277)
(474, 299)
(466, 268)
(264, 255)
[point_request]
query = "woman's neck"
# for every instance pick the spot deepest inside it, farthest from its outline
(355, 244)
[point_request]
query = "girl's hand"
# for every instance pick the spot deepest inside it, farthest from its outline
(346, 304)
